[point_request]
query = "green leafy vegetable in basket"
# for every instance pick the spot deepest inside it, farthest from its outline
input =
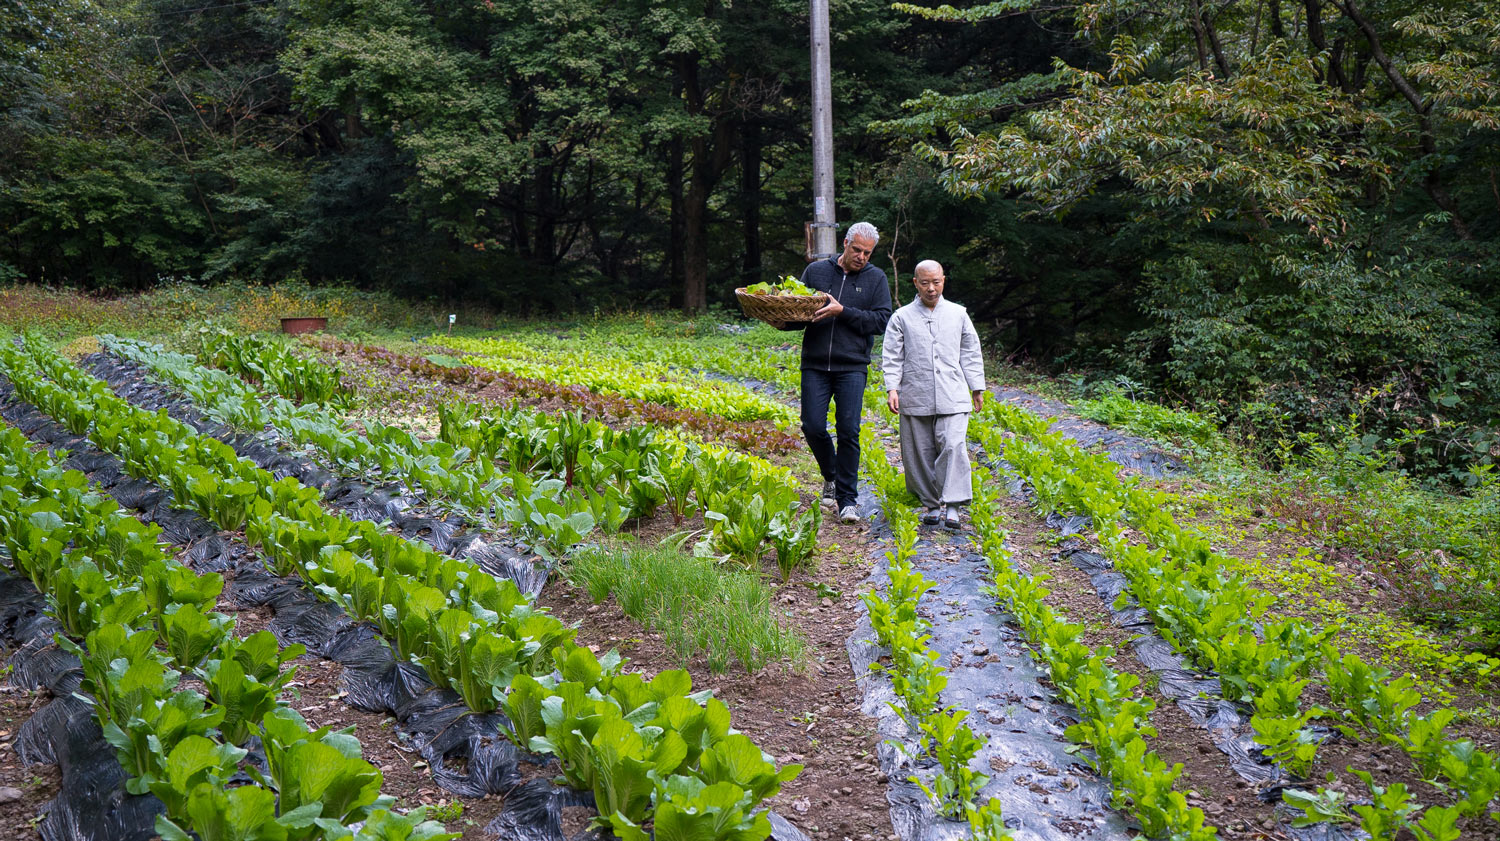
(788, 286)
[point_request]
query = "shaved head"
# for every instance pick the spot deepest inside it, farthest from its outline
(929, 282)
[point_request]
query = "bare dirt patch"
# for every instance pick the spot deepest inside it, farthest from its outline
(24, 789)
(804, 713)
(1207, 779)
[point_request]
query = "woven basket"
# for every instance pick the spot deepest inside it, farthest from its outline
(773, 308)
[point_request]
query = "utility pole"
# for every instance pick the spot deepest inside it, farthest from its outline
(824, 224)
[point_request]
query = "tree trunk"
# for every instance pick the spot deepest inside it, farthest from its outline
(695, 203)
(1213, 39)
(1444, 200)
(695, 244)
(711, 155)
(352, 128)
(675, 224)
(520, 235)
(1319, 41)
(1423, 109)
(545, 237)
(1200, 39)
(750, 190)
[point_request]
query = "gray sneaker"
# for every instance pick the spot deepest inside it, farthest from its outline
(829, 496)
(847, 514)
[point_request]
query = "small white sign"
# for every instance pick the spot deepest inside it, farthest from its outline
(820, 208)
(452, 318)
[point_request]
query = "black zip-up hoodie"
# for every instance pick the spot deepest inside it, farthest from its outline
(843, 343)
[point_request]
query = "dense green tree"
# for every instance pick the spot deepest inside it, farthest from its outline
(1256, 110)
(149, 138)
(1299, 173)
(593, 135)
(1209, 199)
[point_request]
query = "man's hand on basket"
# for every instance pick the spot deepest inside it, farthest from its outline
(829, 310)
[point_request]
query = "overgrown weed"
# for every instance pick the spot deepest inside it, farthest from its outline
(1439, 551)
(696, 604)
(1115, 404)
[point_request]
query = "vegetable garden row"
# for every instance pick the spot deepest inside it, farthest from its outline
(1214, 618)
(193, 711)
(469, 632)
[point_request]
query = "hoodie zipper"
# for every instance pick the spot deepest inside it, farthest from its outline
(834, 325)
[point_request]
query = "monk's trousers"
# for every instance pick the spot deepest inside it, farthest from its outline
(935, 458)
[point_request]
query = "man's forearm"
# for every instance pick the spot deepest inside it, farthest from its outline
(870, 321)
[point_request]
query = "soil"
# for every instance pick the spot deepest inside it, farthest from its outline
(806, 712)
(25, 790)
(1207, 779)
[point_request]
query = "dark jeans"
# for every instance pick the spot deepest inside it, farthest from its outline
(847, 390)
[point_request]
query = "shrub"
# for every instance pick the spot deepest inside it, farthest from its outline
(1283, 343)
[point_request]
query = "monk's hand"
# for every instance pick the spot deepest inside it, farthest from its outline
(893, 400)
(828, 310)
(978, 400)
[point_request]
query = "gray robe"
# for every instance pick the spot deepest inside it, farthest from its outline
(932, 360)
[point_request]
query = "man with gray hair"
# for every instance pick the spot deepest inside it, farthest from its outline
(934, 375)
(836, 358)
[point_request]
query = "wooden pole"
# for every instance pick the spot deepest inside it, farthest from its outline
(824, 222)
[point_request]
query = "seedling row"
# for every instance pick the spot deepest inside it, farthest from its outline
(1114, 720)
(138, 621)
(474, 634)
(1220, 622)
(566, 476)
(759, 436)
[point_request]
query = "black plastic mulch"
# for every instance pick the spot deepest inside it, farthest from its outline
(1196, 693)
(1126, 450)
(92, 803)
(1046, 792)
(468, 755)
(403, 508)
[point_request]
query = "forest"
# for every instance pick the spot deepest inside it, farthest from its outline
(386, 453)
(1281, 214)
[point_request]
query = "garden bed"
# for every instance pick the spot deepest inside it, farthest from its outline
(824, 710)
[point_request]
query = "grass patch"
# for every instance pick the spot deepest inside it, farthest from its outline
(1188, 431)
(1350, 515)
(696, 605)
(1440, 551)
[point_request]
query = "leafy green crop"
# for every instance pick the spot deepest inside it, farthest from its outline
(788, 285)
(1213, 615)
(434, 608)
(176, 743)
(271, 363)
(458, 468)
(698, 393)
(918, 680)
